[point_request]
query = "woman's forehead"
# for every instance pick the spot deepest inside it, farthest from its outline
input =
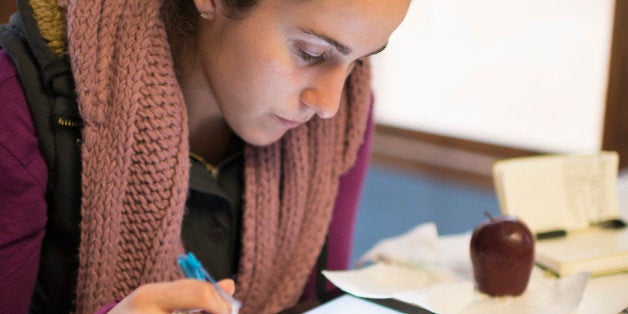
(339, 18)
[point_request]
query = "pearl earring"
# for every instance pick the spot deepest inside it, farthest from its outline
(204, 15)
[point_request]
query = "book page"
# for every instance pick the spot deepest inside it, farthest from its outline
(590, 188)
(558, 191)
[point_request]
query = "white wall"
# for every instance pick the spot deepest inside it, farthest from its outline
(529, 74)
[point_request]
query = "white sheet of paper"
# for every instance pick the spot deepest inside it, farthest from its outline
(382, 280)
(349, 304)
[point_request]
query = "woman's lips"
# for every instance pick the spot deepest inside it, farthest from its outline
(288, 123)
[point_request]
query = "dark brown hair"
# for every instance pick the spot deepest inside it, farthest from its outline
(182, 20)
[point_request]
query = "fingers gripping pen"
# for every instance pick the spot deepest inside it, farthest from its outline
(192, 268)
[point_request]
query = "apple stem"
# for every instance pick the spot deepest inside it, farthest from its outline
(487, 214)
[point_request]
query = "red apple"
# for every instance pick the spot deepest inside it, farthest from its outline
(502, 253)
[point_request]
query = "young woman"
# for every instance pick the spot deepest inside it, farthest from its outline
(234, 129)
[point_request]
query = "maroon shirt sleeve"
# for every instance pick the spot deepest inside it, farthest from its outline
(341, 229)
(23, 176)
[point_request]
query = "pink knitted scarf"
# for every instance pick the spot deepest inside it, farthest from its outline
(136, 167)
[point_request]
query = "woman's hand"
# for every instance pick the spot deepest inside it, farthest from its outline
(165, 297)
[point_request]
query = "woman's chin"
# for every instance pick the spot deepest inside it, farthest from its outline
(262, 139)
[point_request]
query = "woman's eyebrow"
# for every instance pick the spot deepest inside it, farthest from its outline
(344, 49)
(340, 47)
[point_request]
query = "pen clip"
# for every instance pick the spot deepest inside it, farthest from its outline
(552, 234)
(189, 265)
(615, 223)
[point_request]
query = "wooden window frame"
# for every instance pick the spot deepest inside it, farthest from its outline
(615, 133)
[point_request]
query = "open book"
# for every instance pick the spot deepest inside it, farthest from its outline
(570, 202)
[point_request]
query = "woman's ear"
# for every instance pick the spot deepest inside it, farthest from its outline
(207, 8)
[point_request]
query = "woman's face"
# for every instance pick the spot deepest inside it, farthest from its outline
(286, 61)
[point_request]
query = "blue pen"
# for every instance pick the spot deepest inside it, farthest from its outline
(192, 268)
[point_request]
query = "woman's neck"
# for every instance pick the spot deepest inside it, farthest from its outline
(209, 135)
(210, 138)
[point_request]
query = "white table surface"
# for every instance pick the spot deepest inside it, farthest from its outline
(605, 294)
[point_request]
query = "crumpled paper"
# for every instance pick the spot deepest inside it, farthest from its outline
(436, 273)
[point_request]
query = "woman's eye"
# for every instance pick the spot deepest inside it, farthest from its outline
(309, 58)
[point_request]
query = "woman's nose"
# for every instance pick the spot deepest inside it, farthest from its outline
(324, 93)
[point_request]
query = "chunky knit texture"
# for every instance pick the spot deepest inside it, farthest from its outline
(136, 168)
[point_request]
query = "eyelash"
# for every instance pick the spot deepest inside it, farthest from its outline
(308, 58)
